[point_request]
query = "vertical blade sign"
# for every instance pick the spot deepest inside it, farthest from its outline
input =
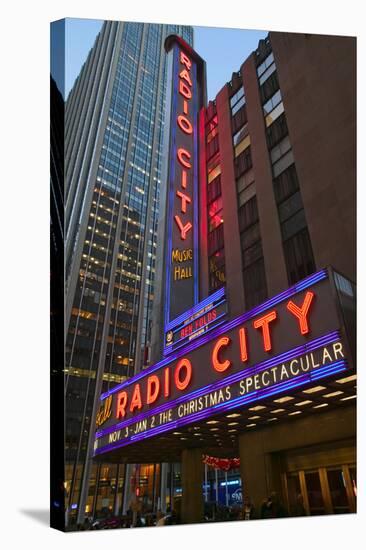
(182, 257)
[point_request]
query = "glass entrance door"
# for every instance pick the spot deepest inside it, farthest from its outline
(321, 491)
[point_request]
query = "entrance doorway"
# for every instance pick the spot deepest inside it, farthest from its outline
(318, 491)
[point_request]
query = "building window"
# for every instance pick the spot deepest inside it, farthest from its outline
(244, 144)
(280, 149)
(266, 63)
(272, 102)
(214, 189)
(212, 147)
(252, 254)
(217, 270)
(283, 163)
(299, 256)
(243, 162)
(237, 101)
(216, 239)
(248, 214)
(212, 133)
(240, 134)
(215, 213)
(255, 286)
(277, 111)
(213, 167)
(216, 253)
(239, 119)
(293, 225)
(295, 236)
(277, 131)
(250, 236)
(286, 184)
(267, 74)
(211, 128)
(269, 87)
(245, 187)
(290, 206)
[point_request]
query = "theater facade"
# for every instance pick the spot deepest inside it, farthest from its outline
(253, 368)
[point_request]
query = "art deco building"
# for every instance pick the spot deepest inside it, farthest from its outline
(280, 196)
(277, 214)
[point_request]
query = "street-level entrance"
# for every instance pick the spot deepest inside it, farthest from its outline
(330, 487)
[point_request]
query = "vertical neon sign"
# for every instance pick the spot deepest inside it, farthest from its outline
(182, 269)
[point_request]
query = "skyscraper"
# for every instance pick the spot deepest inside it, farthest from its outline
(114, 117)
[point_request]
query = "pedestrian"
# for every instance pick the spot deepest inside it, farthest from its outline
(273, 508)
(139, 522)
(159, 518)
(279, 510)
(249, 510)
(266, 508)
(299, 509)
(129, 517)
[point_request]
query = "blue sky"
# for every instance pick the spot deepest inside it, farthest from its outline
(223, 49)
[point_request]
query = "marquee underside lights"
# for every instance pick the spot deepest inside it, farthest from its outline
(294, 342)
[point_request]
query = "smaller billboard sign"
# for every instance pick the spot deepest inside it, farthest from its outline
(202, 318)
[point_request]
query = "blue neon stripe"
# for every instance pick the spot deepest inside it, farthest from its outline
(295, 352)
(171, 183)
(195, 189)
(220, 330)
(337, 367)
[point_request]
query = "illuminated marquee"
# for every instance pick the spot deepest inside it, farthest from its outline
(200, 319)
(182, 176)
(292, 340)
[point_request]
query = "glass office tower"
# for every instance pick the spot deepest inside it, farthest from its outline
(114, 118)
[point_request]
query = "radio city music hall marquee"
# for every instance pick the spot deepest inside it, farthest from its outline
(292, 340)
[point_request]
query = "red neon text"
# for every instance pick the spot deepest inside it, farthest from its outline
(302, 312)
(263, 323)
(219, 365)
(187, 366)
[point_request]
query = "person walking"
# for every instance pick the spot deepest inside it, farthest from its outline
(273, 508)
(248, 507)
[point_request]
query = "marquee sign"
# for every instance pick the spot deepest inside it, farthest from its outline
(200, 319)
(185, 94)
(290, 341)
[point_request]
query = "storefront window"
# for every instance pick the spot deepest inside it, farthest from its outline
(145, 487)
(120, 482)
(315, 497)
(91, 490)
(295, 499)
(106, 490)
(338, 492)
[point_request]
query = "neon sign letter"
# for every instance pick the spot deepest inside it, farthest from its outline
(218, 365)
(182, 154)
(263, 323)
(302, 312)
